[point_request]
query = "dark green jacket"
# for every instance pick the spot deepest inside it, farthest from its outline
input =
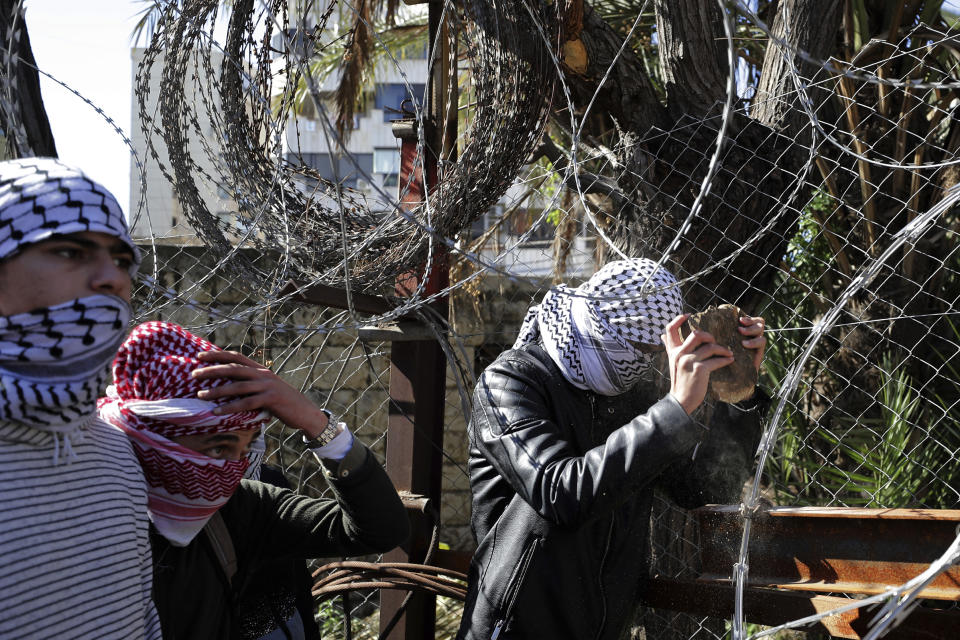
(265, 522)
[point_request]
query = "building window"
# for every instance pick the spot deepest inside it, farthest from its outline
(386, 162)
(347, 171)
(390, 98)
(481, 224)
(523, 218)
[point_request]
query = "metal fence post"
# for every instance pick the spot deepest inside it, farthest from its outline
(418, 368)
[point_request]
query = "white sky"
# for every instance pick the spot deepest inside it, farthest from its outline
(86, 44)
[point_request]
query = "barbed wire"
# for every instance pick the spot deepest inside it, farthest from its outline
(842, 229)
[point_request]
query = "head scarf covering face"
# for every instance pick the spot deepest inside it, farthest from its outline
(590, 332)
(42, 197)
(53, 363)
(153, 400)
(53, 360)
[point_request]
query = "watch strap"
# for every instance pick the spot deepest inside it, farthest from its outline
(326, 436)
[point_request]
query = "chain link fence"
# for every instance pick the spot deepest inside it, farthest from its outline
(810, 177)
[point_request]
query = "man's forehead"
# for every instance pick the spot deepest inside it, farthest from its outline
(98, 238)
(231, 436)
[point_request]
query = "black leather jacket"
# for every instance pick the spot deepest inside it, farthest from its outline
(562, 483)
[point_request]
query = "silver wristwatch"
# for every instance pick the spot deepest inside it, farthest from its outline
(326, 436)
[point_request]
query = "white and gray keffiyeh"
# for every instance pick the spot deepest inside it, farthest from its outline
(590, 331)
(42, 197)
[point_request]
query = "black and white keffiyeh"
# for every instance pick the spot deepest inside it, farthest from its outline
(42, 197)
(590, 332)
(54, 361)
(74, 538)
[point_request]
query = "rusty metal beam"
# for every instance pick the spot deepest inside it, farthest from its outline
(453, 560)
(326, 296)
(832, 550)
(772, 607)
(414, 441)
(861, 548)
(402, 331)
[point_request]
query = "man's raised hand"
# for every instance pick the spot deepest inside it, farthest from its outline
(254, 388)
(691, 362)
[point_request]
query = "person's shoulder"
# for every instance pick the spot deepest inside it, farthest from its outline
(101, 429)
(524, 370)
(529, 359)
(531, 352)
(254, 494)
(100, 435)
(250, 501)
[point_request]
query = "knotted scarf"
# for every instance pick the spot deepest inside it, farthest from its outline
(590, 332)
(53, 363)
(153, 400)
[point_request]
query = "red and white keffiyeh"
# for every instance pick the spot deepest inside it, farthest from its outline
(153, 399)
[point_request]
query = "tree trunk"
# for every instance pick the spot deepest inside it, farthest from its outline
(627, 95)
(23, 116)
(803, 25)
(693, 54)
(665, 154)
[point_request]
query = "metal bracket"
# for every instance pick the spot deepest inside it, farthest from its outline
(414, 501)
(401, 331)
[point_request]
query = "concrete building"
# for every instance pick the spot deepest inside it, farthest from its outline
(156, 212)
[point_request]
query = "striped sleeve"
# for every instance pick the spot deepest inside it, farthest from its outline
(75, 557)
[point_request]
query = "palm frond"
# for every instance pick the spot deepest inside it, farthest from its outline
(149, 16)
(146, 24)
(326, 62)
(355, 62)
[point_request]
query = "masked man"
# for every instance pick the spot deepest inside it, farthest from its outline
(192, 412)
(74, 546)
(567, 442)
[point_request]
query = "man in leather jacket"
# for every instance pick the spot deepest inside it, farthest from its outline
(568, 441)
